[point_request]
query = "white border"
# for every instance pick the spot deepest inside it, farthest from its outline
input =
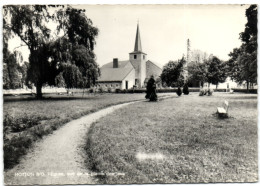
(4, 2)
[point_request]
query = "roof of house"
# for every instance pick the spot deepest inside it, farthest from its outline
(108, 73)
(154, 64)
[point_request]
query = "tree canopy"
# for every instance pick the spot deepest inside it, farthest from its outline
(242, 65)
(197, 72)
(213, 70)
(66, 49)
(172, 73)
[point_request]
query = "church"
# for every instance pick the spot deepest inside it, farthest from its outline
(127, 74)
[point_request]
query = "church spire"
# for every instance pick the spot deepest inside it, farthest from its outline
(138, 46)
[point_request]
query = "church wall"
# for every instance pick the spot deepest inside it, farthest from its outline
(109, 85)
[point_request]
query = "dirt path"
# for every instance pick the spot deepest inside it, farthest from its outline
(58, 156)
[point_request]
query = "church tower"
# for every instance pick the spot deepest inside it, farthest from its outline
(138, 60)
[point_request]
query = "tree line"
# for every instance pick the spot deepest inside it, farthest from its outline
(241, 67)
(63, 55)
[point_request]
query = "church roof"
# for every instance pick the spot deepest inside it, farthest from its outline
(108, 73)
(154, 64)
(138, 45)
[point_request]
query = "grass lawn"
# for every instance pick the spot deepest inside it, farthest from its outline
(177, 140)
(27, 119)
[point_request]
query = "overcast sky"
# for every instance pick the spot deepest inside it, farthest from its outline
(164, 30)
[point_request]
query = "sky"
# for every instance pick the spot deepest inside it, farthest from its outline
(164, 30)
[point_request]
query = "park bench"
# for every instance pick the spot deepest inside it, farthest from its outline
(223, 111)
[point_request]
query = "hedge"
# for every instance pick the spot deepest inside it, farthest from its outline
(252, 91)
(164, 90)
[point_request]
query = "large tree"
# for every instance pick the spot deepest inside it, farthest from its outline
(215, 71)
(242, 64)
(48, 53)
(197, 72)
(172, 74)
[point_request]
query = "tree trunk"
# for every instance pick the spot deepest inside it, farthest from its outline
(247, 86)
(216, 86)
(39, 90)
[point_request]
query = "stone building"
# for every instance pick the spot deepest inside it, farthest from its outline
(127, 74)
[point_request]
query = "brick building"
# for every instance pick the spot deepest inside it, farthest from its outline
(129, 73)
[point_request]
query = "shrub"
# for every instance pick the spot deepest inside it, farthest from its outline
(91, 90)
(186, 89)
(100, 90)
(201, 92)
(21, 123)
(179, 91)
(252, 91)
(210, 92)
(14, 149)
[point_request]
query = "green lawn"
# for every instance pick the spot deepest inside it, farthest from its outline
(27, 119)
(177, 140)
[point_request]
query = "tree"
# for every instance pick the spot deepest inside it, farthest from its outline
(215, 71)
(11, 79)
(251, 25)
(242, 64)
(47, 55)
(11, 74)
(197, 72)
(172, 74)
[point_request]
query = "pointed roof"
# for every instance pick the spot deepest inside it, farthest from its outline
(138, 46)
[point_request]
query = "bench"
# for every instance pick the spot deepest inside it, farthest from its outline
(223, 111)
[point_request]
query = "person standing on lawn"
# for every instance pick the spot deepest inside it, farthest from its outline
(151, 90)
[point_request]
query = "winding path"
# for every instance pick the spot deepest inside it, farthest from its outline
(59, 157)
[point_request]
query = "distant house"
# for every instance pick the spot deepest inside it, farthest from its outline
(127, 74)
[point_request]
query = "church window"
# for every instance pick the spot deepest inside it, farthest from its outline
(144, 56)
(134, 56)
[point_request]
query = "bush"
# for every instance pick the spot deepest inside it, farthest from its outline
(179, 91)
(252, 91)
(186, 89)
(21, 123)
(100, 90)
(14, 149)
(118, 90)
(201, 92)
(210, 92)
(159, 90)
